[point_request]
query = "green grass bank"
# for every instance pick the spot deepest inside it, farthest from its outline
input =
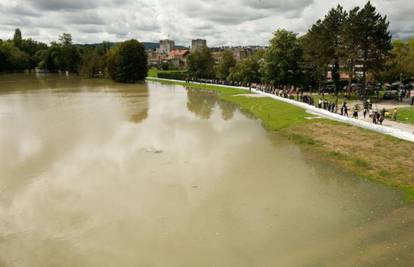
(406, 115)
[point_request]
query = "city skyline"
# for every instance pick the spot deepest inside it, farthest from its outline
(233, 23)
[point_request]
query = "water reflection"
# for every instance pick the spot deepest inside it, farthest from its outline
(41, 123)
(82, 184)
(202, 104)
(227, 109)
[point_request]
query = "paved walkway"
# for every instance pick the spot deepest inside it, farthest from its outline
(388, 105)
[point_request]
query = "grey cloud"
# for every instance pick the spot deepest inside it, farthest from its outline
(19, 10)
(279, 6)
(55, 5)
(80, 17)
(88, 28)
(231, 22)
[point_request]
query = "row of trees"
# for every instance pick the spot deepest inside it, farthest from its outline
(351, 42)
(19, 54)
(126, 62)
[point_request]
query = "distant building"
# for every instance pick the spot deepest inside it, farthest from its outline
(166, 46)
(239, 52)
(175, 59)
(178, 58)
(198, 44)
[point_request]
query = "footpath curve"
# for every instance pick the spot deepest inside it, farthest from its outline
(395, 132)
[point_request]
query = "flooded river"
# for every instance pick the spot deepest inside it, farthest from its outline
(97, 174)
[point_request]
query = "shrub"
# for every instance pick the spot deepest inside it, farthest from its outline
(127, 63)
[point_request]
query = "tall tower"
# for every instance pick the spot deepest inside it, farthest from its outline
(198, 44)
(166, 46)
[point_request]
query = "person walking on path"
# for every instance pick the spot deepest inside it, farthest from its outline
(355, 113)
(381, 117)
(344, 110)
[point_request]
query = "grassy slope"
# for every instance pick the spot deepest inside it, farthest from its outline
(275, 115)
(369, 154)
(153, 72)
(406, 115)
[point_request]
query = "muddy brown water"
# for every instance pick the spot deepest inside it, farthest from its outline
(94, 173)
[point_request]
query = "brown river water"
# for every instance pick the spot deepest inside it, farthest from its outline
(97, 174)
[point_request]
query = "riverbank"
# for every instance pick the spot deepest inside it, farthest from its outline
(369, 154)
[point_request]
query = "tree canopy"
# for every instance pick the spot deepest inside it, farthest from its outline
(282, 59)
(127, 62)
(201, 64)
(226, 64)
(246, 71)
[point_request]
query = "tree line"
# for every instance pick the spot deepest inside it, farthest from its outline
(124, 62)
(354, 44)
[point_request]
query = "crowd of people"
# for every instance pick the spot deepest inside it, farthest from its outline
(298, 94)
(377, 116)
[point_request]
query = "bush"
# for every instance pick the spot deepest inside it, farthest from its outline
(127, 63)
(173, 75)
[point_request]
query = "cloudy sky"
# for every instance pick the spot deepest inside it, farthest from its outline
(225, 22)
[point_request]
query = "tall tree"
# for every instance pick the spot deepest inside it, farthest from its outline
(61, 56)
(246, 71)
(201, 64)
(17, 38)
(351, 53)
(282, 59)
(12, 58)
(332, 37)
(128, 62)
(226, 64)
(315, 58)
(373, 40)
(400, 63)
(65, 39)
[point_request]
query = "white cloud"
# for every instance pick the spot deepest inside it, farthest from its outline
(232, 22)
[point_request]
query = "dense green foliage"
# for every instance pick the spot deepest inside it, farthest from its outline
(201, 64)
(400, 65)
(127, 62)
(168, 74)
(174, 75)
(12, 58)
(343, 41)
(246, 71)
(282, 59)
(93, 63)
(19, 54)
(225, 66)
(61, 56)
